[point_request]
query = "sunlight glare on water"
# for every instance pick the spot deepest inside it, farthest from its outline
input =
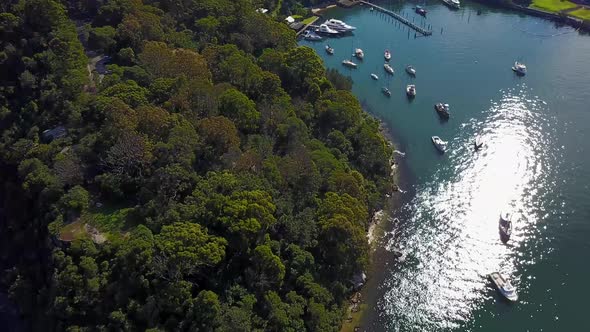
(450, 232)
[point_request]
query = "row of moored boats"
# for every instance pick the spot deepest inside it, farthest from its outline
(332, 26)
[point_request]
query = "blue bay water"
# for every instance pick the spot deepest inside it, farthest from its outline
(535, 163)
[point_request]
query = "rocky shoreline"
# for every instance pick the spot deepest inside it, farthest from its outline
(357, 303)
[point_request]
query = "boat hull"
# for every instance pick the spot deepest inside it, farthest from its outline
(452, 5)
(499, 282)
(518, 72)
(505, 228)
(349, 64)
(442, 113)
(440, 148)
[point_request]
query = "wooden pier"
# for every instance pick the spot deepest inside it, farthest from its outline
(308, 25)
(399, 18)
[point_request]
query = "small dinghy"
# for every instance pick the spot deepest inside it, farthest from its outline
(420, 11)
(374, 76)
(329, 50)
(519, 68)
(388, 68)
(386, 91)
(410, 70)
(359, 54)
(387, 55)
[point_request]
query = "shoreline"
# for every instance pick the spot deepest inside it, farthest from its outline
(559, 17)
(358, 303)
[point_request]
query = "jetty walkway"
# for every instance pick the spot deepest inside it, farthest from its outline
(400, 18)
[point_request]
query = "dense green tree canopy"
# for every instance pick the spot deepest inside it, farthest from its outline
(178, 166)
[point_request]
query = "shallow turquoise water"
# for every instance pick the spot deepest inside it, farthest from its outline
(535, 162)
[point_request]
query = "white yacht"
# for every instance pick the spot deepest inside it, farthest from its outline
(374, 76)
(359, 54)
(439, 144)
(519, 68)
(411, 90)
(453, 3)
(504, 286)
(349, 63)
(387, 55)
(339, 25)
(388, 68)
(411, 70)
(327, 30)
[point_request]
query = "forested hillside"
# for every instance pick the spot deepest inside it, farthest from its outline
(211, 179)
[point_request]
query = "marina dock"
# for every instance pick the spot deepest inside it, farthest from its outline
(308, 25)
(400, 18)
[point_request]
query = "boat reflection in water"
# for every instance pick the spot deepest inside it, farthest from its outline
(450, 226)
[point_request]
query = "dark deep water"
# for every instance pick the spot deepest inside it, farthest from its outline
(536, 163)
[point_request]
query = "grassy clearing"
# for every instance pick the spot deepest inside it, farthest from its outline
(108, 219)
(309, 20)
(581, 13)
(553, 5)
(73, 231)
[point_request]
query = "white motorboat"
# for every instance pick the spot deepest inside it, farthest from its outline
(505, 226)
(339, 25)
(410, 70)
(420, 11)
(359, 54)
(388, 68)
(327, 30)
(442, 110)
(386, 91)
(453, 3)
(329, 50)
(439, 144)
(519, 68)
(374, 76)
(504, 286)
(411, 90)
(387, 55)
(310, 35)
(349, 63)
